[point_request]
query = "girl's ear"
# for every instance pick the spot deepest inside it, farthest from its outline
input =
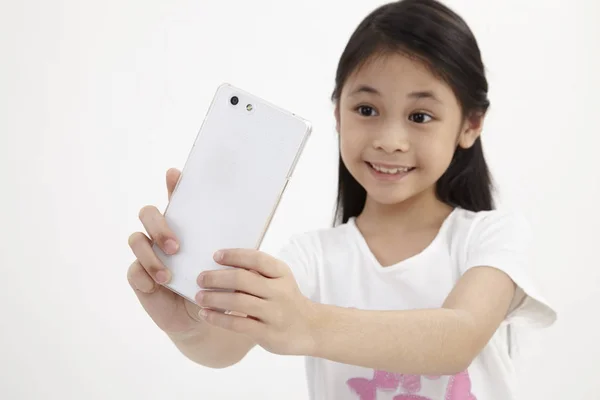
(471, 130)
(337, 118)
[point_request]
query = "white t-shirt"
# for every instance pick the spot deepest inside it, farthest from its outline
(335, 266)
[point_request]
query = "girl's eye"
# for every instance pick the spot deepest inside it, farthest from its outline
(366, 111)
(420, 118)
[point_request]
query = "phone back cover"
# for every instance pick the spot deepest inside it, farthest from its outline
(231, 183)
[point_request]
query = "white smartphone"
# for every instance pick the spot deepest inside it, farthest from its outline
(231, 184)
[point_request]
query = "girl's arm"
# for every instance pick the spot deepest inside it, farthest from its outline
(440, 341)
(215, 348)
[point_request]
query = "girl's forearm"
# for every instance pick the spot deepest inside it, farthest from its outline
(214, 347)
(426, 342)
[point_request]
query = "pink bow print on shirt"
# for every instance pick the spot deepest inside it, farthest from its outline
(459, 386)
(386, 381)
(367, 388)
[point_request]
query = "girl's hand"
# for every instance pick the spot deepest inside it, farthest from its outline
(280, 319)
(172, 313)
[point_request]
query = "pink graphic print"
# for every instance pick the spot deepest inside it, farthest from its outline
(367, 388)
(459, 386)
(411, 383)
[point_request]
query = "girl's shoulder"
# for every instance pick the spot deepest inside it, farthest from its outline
(500, 228)
(469, 219)
(317, 238)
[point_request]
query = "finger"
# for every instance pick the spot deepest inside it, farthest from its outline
(142, 248)
(242, 325)
(238, 302)
(240, 280)
(139, 279)
(251, 259)
(160, 233)
(173, 175)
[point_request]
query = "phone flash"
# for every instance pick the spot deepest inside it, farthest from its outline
(249, 107)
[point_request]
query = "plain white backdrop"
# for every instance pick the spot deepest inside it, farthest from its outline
(99, 98)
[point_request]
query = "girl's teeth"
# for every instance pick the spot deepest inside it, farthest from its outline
(390, 171)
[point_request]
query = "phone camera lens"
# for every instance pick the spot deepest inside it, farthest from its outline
(234, 100)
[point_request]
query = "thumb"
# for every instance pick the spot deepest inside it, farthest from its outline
(173, 175)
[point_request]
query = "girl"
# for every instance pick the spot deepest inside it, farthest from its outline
(414, 290)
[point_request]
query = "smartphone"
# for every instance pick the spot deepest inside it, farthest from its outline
(232, 181)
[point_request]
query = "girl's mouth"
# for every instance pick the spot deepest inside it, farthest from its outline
(388, 173)
(389, 169)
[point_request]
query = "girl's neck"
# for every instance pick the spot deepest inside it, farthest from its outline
(422, 211)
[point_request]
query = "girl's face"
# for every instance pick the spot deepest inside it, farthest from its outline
(399, 126)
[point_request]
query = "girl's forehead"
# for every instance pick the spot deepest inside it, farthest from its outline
(396, 72)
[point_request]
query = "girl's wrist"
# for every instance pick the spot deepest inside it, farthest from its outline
(320, 321)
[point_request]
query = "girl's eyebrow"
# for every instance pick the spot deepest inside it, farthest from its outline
(424, 94)
(365, 89)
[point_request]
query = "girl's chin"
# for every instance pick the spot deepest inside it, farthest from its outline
(387, 197)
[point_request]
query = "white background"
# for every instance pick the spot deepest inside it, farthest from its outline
(99, 98)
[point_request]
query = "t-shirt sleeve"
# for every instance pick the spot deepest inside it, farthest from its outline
(503, 240)
(300, 253)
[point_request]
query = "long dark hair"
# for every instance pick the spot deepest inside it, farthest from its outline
(437, 36)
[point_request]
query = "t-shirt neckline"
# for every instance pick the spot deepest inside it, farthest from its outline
(407, 261)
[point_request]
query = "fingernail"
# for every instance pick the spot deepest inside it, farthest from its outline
(218, 256)
(146, 286)
(171, 246)
(162, 276)
(202, 313)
